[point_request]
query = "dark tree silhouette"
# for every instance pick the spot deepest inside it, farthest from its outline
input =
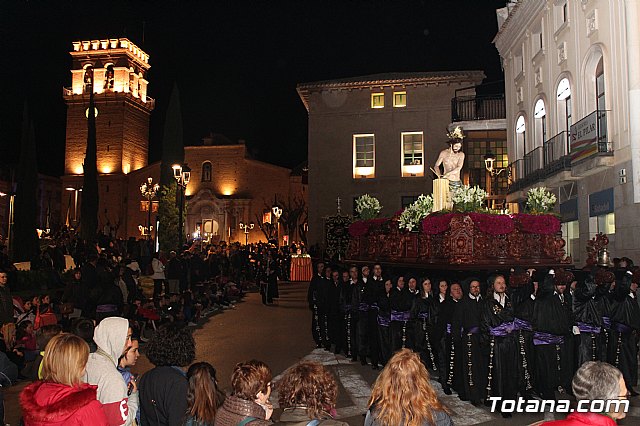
(90, 198)
(25, 237)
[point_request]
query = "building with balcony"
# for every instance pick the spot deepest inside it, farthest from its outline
(379, 135)
(572, 87)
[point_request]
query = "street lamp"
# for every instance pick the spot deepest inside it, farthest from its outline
(182, 174)
(489, 160)
(245, 228)
(149, 190)
(277, 212)
(75, 204)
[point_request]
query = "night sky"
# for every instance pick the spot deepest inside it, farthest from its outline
(236, 63)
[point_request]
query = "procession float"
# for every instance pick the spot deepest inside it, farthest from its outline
(453, 228)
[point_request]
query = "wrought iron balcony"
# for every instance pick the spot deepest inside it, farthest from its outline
(479, 107)
(586, 139)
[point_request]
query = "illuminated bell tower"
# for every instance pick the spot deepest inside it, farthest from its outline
(122, 106)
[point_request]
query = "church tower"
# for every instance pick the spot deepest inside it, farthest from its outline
(123, 110)
(123, 107)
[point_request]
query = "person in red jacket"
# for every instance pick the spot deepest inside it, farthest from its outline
(596, 380)
(61, 398)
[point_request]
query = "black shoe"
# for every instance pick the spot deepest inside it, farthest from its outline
(475, 403)
(375, 367)
(446, 389)
(327, 348)
(363, 361)
(337, 351)
(506, 415)
(318, 345)
(487, 403)
(632, 392)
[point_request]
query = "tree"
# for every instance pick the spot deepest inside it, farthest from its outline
(25, 237)
(169, 212)
(172, 139)
(89, 205)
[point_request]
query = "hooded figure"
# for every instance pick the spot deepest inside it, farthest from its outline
(111, 337)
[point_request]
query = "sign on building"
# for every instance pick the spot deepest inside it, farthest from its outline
(584, 136)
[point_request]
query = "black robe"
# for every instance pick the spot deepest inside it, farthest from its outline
(401, 329)
(372, 290)
(334, 316)
(625, 323)
(554, 361)
(349, 310)
(497, 324)
(523, 303)
(446, 349)
(588, 318)
(424, 315)
(312, 299)
(470, 344)
(383, 320)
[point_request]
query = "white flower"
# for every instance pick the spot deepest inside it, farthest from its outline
(539, 200)
(367, 206)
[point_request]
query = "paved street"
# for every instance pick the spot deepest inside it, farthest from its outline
(279, 335)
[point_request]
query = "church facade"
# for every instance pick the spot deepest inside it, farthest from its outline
(227, 186)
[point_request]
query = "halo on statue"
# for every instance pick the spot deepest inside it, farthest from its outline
(456, 135)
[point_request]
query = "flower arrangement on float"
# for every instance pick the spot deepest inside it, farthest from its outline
(411, 216)
(367, 207)
(468, 199)
(540, 201)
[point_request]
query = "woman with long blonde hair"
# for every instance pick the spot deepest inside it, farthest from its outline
(61, 398)
(402, 395)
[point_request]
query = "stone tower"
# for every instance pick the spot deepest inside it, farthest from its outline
(122, 121)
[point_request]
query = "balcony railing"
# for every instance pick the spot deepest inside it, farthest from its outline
(484, 107)
(586, 138)
(67, 91)
(556, 148)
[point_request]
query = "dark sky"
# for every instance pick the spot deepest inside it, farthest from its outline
(236, 63)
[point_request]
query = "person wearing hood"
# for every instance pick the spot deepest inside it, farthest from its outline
(61, 398)
(113, 338)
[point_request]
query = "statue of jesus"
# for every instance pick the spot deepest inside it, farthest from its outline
(452, 159)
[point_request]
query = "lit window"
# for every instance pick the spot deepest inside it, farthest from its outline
(607, 223)
(363, 156)
(377, 100)
(571, 235)
(412, 154)
(399, 99)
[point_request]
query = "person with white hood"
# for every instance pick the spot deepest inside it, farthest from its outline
(113, 337)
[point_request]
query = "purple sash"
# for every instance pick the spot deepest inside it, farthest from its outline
(374, 306)
(383, 321)
(622, 328)
(400, 315)
(106, 308)
(520, 324)
(540, 338)
(588, 328)
(346, 308)
(606, 323)
(364, 307)
(423, 315)
(473, 330)
(448, 328)
(503, 330)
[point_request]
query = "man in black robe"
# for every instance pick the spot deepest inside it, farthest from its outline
(334, 317)
(401, 301)
(350, 296)
(625, 323)
(372, 289)
(588, 320)
(470, 344)
(497, 323)
(313, 299)
(447, 345)
(523, 286)
(552, 323)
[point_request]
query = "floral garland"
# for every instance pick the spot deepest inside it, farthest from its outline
(436, 223)
(546, 224)
(493, 224)
(360, 228)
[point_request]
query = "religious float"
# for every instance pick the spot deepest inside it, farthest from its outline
(464, 236)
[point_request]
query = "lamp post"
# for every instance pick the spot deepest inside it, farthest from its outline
(75, 204)
(245, 228)
(149, 190)
(277, 212)
(489, 160)
(182, 174)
